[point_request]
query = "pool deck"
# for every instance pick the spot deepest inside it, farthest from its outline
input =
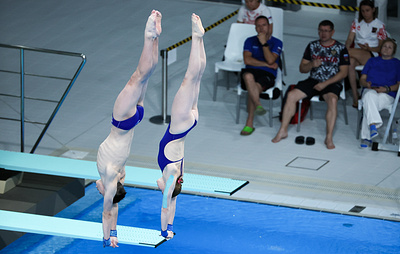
(344, 180)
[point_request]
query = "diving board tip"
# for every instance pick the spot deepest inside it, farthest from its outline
(48, 225)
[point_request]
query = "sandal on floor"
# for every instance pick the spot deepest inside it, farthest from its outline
(299, 140)
(310, 141)
(247, 131)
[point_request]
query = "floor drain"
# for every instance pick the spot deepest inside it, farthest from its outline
(357, 209)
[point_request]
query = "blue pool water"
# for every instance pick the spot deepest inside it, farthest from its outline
(212, 225)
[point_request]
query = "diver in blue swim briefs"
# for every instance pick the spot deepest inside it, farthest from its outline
(127, 113)
(184, 116)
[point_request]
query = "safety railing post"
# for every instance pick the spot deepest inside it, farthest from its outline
(163, 118)
(22, 80)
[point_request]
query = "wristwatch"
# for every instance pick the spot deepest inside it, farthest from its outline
(265, 44)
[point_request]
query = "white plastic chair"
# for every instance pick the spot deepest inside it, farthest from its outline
(317, 99)
(233, 55)
(275, 91)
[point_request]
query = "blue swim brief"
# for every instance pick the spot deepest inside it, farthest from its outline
(130, 122)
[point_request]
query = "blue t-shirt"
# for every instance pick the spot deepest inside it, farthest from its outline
(253, 45)
(382, 72)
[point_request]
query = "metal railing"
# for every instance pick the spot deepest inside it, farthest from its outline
(22, 96)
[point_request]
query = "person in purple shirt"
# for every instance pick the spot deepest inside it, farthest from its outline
(380, 79)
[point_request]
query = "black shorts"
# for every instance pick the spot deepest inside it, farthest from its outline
(307, 87)
(264, 78)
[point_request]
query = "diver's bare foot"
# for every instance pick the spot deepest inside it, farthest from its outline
(329, 143)
(197, 27)
(153, 26)
(279, 136)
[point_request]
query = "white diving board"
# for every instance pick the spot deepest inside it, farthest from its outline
(48, 225)
(59, 166)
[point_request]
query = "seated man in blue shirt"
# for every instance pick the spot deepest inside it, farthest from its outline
(261, 56)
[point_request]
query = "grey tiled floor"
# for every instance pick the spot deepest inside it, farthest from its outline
(110, 34)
